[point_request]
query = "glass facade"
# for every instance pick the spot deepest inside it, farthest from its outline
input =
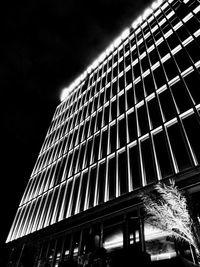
(133, 121)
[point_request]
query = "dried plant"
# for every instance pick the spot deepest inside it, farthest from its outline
(166, 208)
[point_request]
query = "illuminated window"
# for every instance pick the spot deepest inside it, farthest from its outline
(158, 244)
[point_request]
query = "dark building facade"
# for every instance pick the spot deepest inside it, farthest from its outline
(131, 120)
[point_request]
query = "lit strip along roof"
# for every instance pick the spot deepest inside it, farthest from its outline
(117, 42)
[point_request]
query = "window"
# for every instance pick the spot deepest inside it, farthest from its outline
(135, 173)
(182, 33)
(193, 25)
(128, 60)
(66, 200)
(122, 172)
(113, 238)
(113, 109)
(179, 147)
(159, 76)
(148, 161)
(60, 200)
(114, 88)
(149, 84)
(101, 182)
(192, 127)
(154, 113)
(182, 60)
(132, 126)
(167, 105)
(130, 98)
(158, 244)
(170, 68)
(66, 248)
(92, 124)
(111, 178)
(74, 162)
(104, 142)
(143, 121)
(98, 121)
(92, 184)
(122, 132)
(139, 91)
(75, 194)
(154, 56)
(112, 137)
(136, 70)
(101, 99)
(68, 164)
(181, 96)
(83, 188)
(96, 147)
(145, 63)
(121, 104)
(106, 115)
(173, 41)
(193, 83)
(88, 152)
(162, 153)
(107, 94)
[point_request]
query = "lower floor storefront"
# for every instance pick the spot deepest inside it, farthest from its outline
(114, 237)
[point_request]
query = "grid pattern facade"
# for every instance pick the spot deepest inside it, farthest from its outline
(132, 121)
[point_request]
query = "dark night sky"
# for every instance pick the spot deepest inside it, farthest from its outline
(44, 46)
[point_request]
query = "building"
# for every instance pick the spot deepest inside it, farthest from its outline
(130, 120)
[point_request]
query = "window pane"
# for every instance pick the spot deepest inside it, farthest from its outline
(83, 190)
(167, 105)
(154, 112)
(139, 91)
(112, 138)
(67, 197)
(193, 84)
(122, 132)
(148, 161)
(122, 173)
(96, 147)
(192, 128)
(142, 118)
(162, 155)
(104, 142)
(183, 102)
(179, 147)
(112, 178)
(149, 84)
(135, 173)
(75, 194)
(101, 182)
(132, 126)
(92, 183)
(130, 98)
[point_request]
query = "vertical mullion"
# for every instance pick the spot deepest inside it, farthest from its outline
(188, 147)
(172, 159)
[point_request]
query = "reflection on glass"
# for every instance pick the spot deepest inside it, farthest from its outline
(113, 238)
(158, 244)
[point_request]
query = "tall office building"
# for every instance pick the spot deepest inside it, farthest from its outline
(130, 120)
